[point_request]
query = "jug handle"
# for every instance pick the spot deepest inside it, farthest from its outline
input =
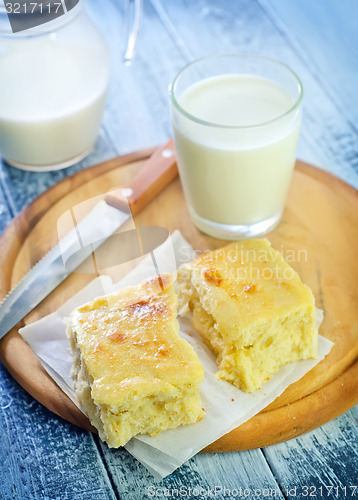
(135, 14)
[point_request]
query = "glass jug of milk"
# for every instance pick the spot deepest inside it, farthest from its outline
(53, 86)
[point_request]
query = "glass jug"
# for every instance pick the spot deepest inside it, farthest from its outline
(53, 84)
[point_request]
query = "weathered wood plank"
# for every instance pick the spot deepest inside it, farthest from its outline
(324, 458)
(42, 456)
(246, 470)
(5, 213)
(325, 34)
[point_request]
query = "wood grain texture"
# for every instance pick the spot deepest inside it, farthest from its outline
(332, 59)
(303, 229)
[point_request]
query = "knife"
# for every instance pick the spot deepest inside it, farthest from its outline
(95, 228)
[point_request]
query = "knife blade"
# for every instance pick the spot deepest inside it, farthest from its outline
(95, 228)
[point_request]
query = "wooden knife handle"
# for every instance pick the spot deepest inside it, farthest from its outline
(157, 172)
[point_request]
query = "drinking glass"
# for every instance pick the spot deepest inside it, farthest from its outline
(236, 121)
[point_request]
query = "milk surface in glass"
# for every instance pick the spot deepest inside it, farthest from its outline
(235, 158)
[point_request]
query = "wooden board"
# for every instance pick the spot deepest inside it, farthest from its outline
(320, 225)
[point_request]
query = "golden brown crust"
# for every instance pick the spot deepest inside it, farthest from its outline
(134, 373)
(133, 335)
(251, 308)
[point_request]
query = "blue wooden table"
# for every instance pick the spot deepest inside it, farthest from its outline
(43, 457)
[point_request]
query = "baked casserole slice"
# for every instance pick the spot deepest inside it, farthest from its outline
(251, 308)
(133, 373)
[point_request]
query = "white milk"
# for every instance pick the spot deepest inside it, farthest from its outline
(238, 173)
(52, 96)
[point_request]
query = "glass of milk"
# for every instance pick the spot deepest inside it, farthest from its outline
(236, 121)
(53, 85)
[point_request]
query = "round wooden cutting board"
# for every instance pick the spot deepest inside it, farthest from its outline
(320, 225)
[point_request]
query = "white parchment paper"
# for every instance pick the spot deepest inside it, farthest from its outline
(226, 406)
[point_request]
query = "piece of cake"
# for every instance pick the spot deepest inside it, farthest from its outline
(133, 373)
(251, 309)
